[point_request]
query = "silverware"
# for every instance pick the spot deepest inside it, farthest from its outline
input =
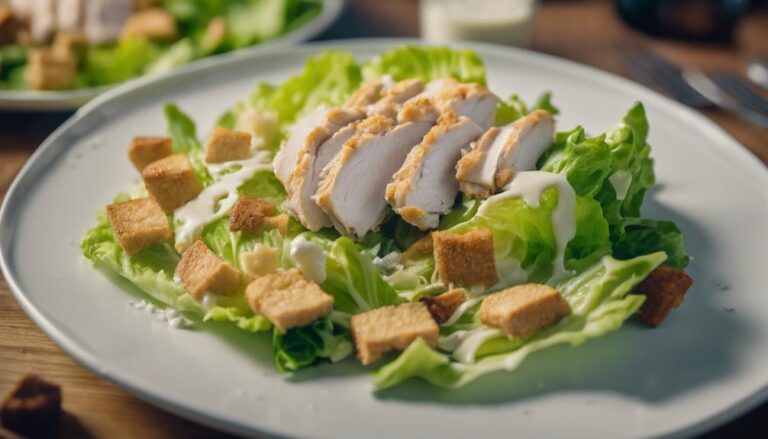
(757, 72)
(691, 88)
(709, 89)
(740, 90)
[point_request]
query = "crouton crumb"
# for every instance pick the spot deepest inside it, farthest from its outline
(249, 213)
(279, 222)
(665, 290)
(391, 328)
(288, 299)
(523, 310)
(465, 259)
(418, 249)
(201, 270)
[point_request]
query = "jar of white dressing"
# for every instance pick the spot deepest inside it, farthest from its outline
(508, 22)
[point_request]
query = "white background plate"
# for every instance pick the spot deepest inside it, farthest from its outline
(34, 100)
(706, 364)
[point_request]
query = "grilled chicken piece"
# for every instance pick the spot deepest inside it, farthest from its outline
(104, 19)
(394, 96)
(366, 94)
(425, 186)
(322, 144)
(471, 100)
(503, 151)
(42, 20)
(285, 159)
(353, 185)
(69, 14)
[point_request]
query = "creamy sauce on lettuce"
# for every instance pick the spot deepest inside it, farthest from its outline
(216, 200)
(530, 186)
(310, 258)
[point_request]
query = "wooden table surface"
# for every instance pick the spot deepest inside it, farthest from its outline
(585, 31)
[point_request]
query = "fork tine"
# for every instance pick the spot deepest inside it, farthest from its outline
(646, 72)
(739, 90)
(665, 75)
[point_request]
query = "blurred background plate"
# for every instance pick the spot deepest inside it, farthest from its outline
(32, 100)
(703, 367)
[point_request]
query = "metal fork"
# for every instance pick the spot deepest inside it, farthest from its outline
(693, 89)
(740, 90)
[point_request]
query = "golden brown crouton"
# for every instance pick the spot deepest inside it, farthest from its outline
(51, 70)
(226, 145)
(215, 33)
(145, 150)
(138, 224)
(288, 299)
(465, 259)
(279, 222)
(32, 407)
(422, 247)
(664, 290)
(202, 270)
(249, 213)
(75, 43)
(444, 305)
(523, 310)
(259, 261)
(152, 24)
(391, 327)
(171, 181)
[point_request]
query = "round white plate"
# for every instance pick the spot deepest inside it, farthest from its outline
(705, 365)
(34, 100)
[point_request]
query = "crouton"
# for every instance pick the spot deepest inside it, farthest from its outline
(9, 26)
(422, 247)
(444, 305)
(259, 261)
(202, 270)
(70, 42)
(664, 290)
(249, 213)
(226, 145)
(145, 150)
(138, 224)
(465, 259)
(32, 407)
(288, 299)
(391, 328)
(214, 34)
(48, 69)
(171, 181)
(523, 310)
(279, 222)
(152, 24)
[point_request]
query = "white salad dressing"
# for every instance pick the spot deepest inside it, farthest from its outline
(310, 258)
(216, 200)
(621, 180)
(529, 186)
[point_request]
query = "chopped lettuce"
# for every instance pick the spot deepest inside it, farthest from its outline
(514, 108)
(117, 63)
(321, 340)
(242, 318)
(599, 298)
(427, 63)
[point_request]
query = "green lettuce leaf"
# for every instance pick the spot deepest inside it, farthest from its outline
(321, 340)
(585, 162)
(242, 318)
(642, 236)
(514, 108)
(117, 63)
(427, 63)
(599, 298)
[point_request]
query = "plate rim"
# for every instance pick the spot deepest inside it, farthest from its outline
(42, 101)
(14, 196)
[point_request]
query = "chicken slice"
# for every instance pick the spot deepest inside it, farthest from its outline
(503, 151)
(394, 96)
(42, 21)
(104, 19)
(471, 100)
(353, 185)
(321, 145)
(366, 94)
(425, 186)
(285, 159)
(70, 15)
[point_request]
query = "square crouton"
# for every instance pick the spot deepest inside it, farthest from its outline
(288, 299)
(226, 145)
(138, 224)
(523, 310)
(665, 290)
(444, 305)
(248, 214)
(201, 270)
(391, 328)
(465, 259)
(259, 261)
(49, 69)
(146, 150)
(171, 181)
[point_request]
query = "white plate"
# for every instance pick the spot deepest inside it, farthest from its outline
(34, 100)
(705, 365)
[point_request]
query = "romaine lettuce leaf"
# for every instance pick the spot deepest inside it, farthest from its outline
(600, 302)
(322, 340)
(117, 63)
(642, 236)
(514, 108)
(242, 317)
(427, 63)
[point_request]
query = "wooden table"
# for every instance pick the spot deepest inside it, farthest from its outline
(585, 31)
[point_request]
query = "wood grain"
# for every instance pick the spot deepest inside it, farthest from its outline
(584, 31)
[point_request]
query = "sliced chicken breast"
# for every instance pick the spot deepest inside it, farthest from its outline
(353, 185)
(322, 144)
(394, 96)
(42, 21)
(104, 19)
(425, 187)
(70, 15)
(471, 100)
(366, 94)
(285, 159)
(503, 151)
